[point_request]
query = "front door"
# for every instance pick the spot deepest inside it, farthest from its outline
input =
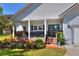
(52, 29)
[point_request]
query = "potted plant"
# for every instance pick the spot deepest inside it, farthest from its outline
(60, 38)
(58, 42)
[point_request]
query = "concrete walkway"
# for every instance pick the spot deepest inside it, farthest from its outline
(72, 50)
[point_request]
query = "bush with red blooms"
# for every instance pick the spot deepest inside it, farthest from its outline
(21, 43)
(19, 34)
(13, 43)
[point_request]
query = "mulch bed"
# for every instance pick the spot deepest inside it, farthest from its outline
(53, 46)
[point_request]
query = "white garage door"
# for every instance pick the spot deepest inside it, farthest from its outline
(76, 35)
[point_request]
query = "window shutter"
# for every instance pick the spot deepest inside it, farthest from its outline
(43, 27)
(31, 27)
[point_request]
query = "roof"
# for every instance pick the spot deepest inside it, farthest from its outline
(44, 11)
(73, 9)
(8, 16)
(26, 10)
(71, 13)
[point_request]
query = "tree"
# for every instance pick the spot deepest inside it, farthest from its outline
(4, 22)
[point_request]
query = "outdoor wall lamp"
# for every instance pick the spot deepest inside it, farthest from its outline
(69, 25)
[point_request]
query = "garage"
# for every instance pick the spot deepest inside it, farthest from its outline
(76, 35)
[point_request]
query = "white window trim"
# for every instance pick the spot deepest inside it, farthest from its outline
(37, 28)
(41, 27)
(34, 29)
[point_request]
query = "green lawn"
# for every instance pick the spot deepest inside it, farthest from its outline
(3, 36)
(30, 52)
(33, 52)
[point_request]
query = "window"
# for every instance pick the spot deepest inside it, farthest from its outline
(54, 27)
(40, 28)
(35, 27)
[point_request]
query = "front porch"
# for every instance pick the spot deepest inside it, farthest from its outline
(38, 28)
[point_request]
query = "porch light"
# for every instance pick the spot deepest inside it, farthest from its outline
(68, 26)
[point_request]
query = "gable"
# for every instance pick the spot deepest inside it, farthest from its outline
(30, 8)
(75, 21)
(48, 11)
(71, 14)
(43, 11)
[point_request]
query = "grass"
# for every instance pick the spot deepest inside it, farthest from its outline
(3, 36)
(33, 52)
(30, 52)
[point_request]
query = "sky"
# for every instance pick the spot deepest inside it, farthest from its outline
(11, 8)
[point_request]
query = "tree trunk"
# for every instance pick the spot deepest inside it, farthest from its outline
(1, 31)
(10, 30)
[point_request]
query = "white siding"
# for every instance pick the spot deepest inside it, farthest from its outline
(76, 35)
(75, 21)
(67, 31)
(37, 22)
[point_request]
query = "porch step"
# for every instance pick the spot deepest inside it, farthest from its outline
(52, 40)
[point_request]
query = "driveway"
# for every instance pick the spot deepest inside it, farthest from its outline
(72, 50)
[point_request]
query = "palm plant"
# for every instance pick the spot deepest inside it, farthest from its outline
(4, 23)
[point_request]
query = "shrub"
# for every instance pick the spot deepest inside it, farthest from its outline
(22, 40)
(13, 45)
(60, 38)
(22, 43)
(18, 45)
(19, 34)
(1, 43)
(13, 40)
(30, 44)
(25, 46)
(4, 44)
(39, 44)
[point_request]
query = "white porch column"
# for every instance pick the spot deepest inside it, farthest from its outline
(13, 31)
(45, 31)
(29, 29)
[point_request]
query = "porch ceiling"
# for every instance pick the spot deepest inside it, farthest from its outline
(48, 11)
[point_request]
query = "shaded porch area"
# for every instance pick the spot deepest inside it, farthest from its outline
(39, 28)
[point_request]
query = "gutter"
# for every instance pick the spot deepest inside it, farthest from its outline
(68, 9)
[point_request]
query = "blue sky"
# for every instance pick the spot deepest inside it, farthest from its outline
(11, 8)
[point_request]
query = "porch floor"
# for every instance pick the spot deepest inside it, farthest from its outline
(34, 38)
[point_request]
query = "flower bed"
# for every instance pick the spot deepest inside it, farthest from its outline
(21, 43)
(3, 36)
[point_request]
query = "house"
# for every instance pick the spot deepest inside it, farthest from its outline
(39, 18)
(71, 24)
